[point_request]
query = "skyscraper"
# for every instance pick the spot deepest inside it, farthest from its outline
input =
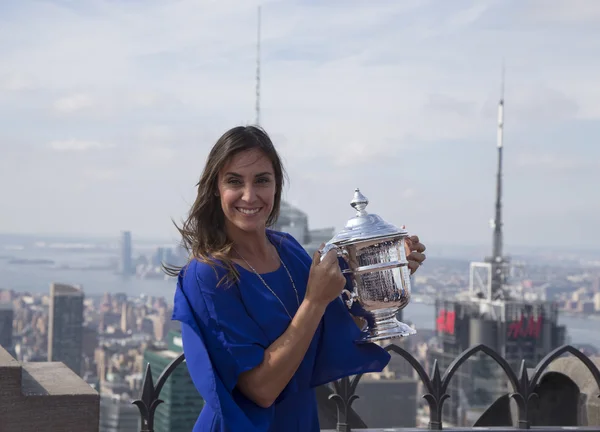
(126, 263)
(6, 322)
(293, 221)
(182, 403)
(491, 314)
(118, 414)
(65, 326)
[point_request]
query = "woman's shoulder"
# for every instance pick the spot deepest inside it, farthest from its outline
(203, 277)
(281, 236)
(202, 288)
(286, 241)
(196, 269)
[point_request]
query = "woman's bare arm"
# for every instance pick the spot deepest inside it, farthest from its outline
(264, 383)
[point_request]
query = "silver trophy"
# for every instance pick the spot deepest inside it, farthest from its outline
(377, 272)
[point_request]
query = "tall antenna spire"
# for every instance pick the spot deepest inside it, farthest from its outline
(502, 83)
(498, 261)
(257, 120)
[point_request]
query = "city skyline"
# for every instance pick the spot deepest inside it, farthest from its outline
(397, 99)
(146, 241)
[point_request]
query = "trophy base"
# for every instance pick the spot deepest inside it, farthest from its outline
(386, 327)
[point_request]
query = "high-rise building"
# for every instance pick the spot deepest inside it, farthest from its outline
(182, 403)
(293, 221)
(65, 325)
(491, 314)
(118, 414)
(517, 330)
(6, 326)
(126, 266)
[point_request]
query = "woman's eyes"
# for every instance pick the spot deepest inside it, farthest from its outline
(260, 180)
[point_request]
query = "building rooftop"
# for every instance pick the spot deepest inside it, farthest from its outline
(64, 289)
(167, 353)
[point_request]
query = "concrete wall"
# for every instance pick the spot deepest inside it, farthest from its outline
(45, 396)
(567, 396)
(588, 403)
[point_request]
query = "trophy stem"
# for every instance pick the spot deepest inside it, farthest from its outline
(386, 326)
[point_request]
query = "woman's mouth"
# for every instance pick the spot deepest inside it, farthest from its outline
(248, 211)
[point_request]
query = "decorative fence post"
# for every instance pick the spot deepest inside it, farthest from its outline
(436, 385)
(150, 393)
(343, 397)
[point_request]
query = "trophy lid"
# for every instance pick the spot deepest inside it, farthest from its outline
(364, 226)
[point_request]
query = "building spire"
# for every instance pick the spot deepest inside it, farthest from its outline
(497, 261)
(257, 119)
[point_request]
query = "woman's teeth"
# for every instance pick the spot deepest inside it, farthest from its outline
(248, 211)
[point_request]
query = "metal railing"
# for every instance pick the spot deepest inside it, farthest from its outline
(435, 384)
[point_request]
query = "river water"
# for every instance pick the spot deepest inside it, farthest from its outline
(37, 279)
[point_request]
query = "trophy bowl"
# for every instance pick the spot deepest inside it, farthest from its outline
(376, 270)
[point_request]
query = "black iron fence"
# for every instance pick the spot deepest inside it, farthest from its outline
(435, 385)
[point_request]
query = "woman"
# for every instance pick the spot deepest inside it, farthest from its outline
(262, 324)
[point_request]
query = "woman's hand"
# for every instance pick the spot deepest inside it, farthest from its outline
(414, 253)
(325, 280)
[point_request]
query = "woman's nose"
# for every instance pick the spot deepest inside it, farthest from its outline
(249, 194)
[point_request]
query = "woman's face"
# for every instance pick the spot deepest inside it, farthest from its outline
(246, 186)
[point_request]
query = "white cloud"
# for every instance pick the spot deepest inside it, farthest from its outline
(354, 153)
(73, 103)
(156, 155)
(559, 11)
(78, 145)
(102, 174)
(469, 15)
(316, 66)
(409, 193)
(13, 82)
(144, 99)
(156, 133)
(555, 162)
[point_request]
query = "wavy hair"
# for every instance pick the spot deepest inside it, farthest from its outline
(203, 232)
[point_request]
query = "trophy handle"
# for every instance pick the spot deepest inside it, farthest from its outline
(351, 297)
(342, 253)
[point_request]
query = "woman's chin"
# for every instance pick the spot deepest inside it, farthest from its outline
(250, 226)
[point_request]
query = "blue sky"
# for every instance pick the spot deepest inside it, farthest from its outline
(108, 110)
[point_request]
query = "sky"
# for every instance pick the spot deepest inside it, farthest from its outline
(108, 110)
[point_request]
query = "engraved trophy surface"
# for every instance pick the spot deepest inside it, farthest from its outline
(378, 275)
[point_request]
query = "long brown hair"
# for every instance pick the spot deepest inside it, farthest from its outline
(203, 232)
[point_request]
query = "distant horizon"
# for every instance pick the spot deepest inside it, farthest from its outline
(431, 245)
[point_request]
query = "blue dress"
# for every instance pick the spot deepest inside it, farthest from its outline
(225, 331)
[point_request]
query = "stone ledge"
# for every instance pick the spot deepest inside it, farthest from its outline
(52, 379)
(6, 360)
(45, 397)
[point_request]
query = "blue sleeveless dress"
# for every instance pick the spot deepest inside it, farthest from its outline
(225, 331)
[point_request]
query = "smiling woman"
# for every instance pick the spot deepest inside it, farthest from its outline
(262, 323)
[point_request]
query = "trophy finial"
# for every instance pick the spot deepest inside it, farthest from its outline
(359, 202)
